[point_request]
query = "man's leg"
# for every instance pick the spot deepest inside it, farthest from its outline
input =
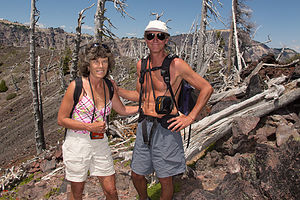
(76, 190)
(108, 184)
(140, 184)
(167, 188)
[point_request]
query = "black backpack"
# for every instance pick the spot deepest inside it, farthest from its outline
(187, 96)
(77, 93)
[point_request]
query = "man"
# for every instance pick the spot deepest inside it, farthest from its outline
(157, 148)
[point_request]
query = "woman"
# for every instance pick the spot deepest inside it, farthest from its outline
(81, 153)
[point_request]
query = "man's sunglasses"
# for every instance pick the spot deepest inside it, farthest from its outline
(160, 36)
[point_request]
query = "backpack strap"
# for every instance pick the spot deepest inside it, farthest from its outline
(76, 95)
(110, 87)
(142, 77)
(165, 73)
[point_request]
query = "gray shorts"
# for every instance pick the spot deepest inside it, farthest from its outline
(165, 155)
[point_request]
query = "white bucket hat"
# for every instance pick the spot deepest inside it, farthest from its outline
(157, 25)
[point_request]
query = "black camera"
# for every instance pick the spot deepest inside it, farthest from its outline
(164, 105)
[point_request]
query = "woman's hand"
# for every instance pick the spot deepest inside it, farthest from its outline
(97, 127)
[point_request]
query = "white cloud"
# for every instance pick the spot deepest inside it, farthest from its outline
(89, 28)
(62, 26)
(131, 34)
(296, 47)
(41, 25)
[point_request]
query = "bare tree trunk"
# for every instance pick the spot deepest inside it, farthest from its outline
(99, 21)
(238, 54)
(13, 79)
(194, 49)
(74, 64)
(40, 99)
(202, 35)
(47, 68)
(15, 83)
(229, 52)
(63, 84)
(39, 129)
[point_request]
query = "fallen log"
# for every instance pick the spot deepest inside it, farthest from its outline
(212, 128)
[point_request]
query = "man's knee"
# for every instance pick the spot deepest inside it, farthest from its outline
(166, 180)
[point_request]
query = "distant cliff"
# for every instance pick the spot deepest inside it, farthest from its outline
(16, 34)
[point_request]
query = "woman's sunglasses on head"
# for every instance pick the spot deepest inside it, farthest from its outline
(98, 44)
(160, 36)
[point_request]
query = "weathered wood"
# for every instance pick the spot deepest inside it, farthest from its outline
(218, 96)
(39, 129)
(286, 65)
(255, 71)
(214, 127)
(236, 40)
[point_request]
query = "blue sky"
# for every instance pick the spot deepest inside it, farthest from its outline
(276, 18)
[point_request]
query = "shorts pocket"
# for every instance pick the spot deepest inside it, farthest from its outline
(74, 165)
(103, 162)
(172, 154)
(172, 148)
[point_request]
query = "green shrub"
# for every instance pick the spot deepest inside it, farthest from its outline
(11, 96)
(3, 87)
(52, 192)
(155, 190)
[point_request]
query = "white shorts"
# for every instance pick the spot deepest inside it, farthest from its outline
(82, 155)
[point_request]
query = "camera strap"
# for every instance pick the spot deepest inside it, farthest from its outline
(165, 73)
(93, 100)
(104, 119)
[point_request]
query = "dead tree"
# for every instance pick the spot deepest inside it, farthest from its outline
(202, 33)
(74, 62)
(39, 88)
(197, 57)
(14, 82)
(229, 51)
(63, 85)
(212, 128)
(101, 30)
(39, 129)
(46, 68)
(13, 78)
(241, 29)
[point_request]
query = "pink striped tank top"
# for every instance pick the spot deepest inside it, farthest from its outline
(83, 111)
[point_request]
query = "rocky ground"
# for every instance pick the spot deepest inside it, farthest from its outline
(260, 160)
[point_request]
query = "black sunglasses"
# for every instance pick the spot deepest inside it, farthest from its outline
(160, 36)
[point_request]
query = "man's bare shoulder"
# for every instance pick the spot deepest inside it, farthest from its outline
(179, 65)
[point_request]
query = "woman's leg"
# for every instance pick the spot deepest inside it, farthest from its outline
(76, 190)
(108, 184)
